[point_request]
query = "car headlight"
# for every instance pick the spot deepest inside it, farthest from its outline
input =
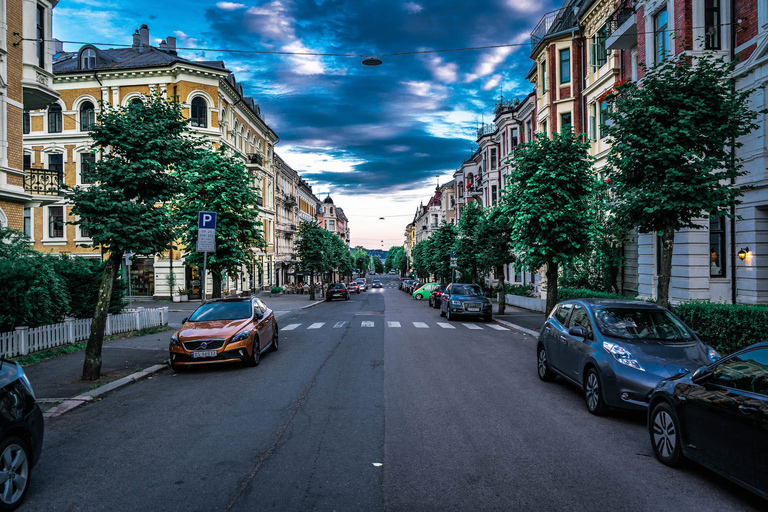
(456, 303)
(25, 380)
(241, 336)
(622, 355)
(713, 354)
(175, 340)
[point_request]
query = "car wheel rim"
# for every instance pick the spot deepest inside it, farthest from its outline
(542, 362)
(14, 473)
(593, 391)
(664, 434)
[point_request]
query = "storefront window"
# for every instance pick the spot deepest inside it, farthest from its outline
(143, 277)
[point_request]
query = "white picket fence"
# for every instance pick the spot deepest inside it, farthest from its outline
(23, 340)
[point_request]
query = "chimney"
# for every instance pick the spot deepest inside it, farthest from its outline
(136, 37)
(171, 42)
(163, 46)
(144, 40)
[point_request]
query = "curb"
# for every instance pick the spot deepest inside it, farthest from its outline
(312, 305)
(516, 327)
(75, 402)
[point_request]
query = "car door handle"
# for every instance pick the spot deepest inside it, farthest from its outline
(562, 338)
(745, 409)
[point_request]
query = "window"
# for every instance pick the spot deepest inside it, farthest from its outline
(41, 36)
(331, 210)
(660, 35)
(86, 162)
(331, 225)
(137, 102)
(514, 141)
(88, 59)
(27, 161)
(28, 221)
(712, 24)
(461, 190)
(598, 52)
(565, 122)
(87, 116)
(25, 121)
(54, 118)
(56, 162)
(543, 76)
(56, 222)
(717, 247)
(493, 158)
(580, 318)
(199, 113)
(528, 130)
(565, 66)
(544, 128)
(493, 194)
(593, 121)
(562, 313)
(747, 372)
(603, 118)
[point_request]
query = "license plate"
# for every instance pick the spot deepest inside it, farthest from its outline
(473, 309)
(203, 353)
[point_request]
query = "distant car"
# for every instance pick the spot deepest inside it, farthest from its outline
(463, 300)
(354, 287)
(392, 272)
(337, 291)
(617, 351)
(435, 296)
(717, 416)
(362, 284)
(425, 290)
(376, 284)
(224, 331)
(21, 434)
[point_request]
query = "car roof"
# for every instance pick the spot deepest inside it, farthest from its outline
(230, 299)
(622, 303)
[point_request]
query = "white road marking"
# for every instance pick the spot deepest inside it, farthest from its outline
(393, 324)
(316, 325)
(497, 327)
(339, 325)
(366, 324)
(420, 325)
(445, 325)
(290, 327)
(472, 326)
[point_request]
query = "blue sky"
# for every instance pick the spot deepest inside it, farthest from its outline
(376, 138)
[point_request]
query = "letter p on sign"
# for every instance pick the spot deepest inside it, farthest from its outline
(206, 220)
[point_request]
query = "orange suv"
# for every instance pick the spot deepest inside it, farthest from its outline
(224, 331)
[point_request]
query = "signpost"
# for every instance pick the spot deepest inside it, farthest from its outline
(128, 262)
(454, 264)
(206, 241)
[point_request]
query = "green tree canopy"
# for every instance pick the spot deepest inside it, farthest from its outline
(467, 257)
(313, 251)
(495, 244)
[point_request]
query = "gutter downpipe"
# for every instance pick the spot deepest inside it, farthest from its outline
(733, 161)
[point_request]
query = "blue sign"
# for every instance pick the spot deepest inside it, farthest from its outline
(206, 220)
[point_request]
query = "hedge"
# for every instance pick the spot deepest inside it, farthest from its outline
(523, 290)
(726, 327)
(583, 293)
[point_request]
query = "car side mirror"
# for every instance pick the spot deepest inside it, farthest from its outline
(259, 315)
(576, 332)
(702, 375)
(185, 320)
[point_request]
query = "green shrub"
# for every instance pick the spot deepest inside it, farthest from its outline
(583, 293)
(276, 289)
(726, 327)
(82, 278)
(523, 290)
(32, 293)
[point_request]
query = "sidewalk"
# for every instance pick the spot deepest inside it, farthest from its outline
(532, 320)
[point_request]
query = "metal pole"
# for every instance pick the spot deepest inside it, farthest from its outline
(202, 277)
(128, 273)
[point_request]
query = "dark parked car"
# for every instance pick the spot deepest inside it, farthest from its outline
(404, 284)
(337, 291)
(376, 284)
(717, 416)
(465, 299)
(617, 350)
(21, 434)
(435, 296)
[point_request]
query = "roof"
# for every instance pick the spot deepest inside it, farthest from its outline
(328, 200)
(128, 58)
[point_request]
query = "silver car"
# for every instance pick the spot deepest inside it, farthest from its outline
(616, 351)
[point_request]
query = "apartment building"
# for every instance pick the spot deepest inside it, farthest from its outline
(334, 219)
(287, 219)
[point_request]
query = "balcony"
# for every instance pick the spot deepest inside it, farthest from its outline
(562, 19)
(255, 158)
(293, 227)
(42, 182)
(486, 129)
(290, 200)
(506, 106)
(622, 27)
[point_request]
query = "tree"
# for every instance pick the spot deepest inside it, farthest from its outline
(390, 261)
(467, 259)
(495, 245)
(339, 256)
(219, 183)
(440, 245)
(402, 263)
(127, 208)
(313, 251)
(361, 259)
(551, 187)
(378, 265)
(673, 141)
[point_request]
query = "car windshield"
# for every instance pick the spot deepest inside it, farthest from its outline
(222, 311)
(466, 290)
(338, 287)
(377, 282)
(636, 324)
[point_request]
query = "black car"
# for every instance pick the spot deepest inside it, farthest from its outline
(465, 299)
(21, 434)
(434, 297)
(717, 416)
(337, 291)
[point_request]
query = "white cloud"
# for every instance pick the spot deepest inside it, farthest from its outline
(185, 40)
(446, 72)
(413, 7)
(491, 59)
(230, 6)
(493, 82)
(524, 6)
(110, 26)
(398, 148)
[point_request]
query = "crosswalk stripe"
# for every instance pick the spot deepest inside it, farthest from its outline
(339, 325)
(497, 327)
(420, 325)
(393, 324)
(290, 327)
(366, 324)
(445, 325)
(472, 326)
(316, 325)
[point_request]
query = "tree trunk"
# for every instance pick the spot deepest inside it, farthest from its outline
(665, 272)
(216, 283)
(551, 287)
(92, 363)
(502, 291)
(312, 285)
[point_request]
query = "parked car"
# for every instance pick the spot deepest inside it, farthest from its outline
(405, 283)
(392, 272)
(435, 296)
(376, 284)
(353, 287)
(362, 284)
(617, 351)
(337, 291)
(424, 291)
(413, 286)
(461, 299)
(21, 434)
(224, 331)
(717, 416)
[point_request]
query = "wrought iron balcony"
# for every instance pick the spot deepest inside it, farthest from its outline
(504, 106)
(255, 158)
(42, 182)
(290, 200)
(561, 19)
(293, 227)
(622, 26)
(486, 129)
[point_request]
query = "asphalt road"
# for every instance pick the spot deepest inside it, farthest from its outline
(364, 408)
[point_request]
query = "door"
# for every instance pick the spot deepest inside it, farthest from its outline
(557, 336)
(575, 350)
(266, 325)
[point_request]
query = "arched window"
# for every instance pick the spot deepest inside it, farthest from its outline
(136, 101)
(240, 140)
(87, 116)
(54, 118)
(88, 59)
(199, 113)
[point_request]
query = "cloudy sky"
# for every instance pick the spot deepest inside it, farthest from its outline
(375, 138)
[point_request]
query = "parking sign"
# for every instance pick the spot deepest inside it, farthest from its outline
(206, 220)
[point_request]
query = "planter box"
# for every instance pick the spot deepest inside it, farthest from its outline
(176, 298)
(185, 298)
(531, 303)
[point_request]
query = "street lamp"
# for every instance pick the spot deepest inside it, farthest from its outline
(372, 61)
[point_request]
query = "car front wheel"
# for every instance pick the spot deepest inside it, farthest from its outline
(15, 470)
(255, 355)
(664, 429)
(593, 393)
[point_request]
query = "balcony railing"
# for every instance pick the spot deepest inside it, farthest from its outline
(290, 200)
(42, 182)
(255, 158)
(625, 11)
(293, 227)
(506, 106)
(563, 18)
(486, 129)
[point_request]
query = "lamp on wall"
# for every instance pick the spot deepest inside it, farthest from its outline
(743, 253)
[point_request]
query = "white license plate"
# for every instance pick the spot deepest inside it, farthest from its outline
(203, 353)
(473, 309)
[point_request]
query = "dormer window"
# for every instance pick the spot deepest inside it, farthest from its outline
(88, 59)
